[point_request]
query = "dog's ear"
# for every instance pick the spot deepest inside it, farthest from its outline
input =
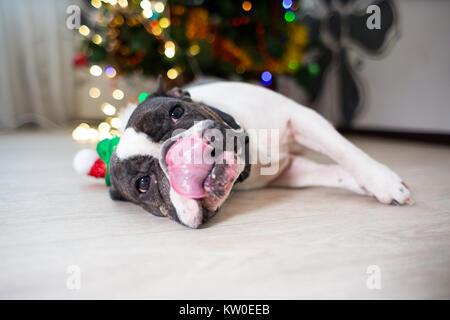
(179, 94)
(174, 92)
(115, 194)
(160, 91)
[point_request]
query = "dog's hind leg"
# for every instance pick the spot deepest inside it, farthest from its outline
(303, 172)
(313, 131)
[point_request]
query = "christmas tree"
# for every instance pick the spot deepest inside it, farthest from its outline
(185, 39)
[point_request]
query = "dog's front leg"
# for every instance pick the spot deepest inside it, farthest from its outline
(313, 131)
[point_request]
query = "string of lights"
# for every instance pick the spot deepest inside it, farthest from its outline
(110, 127)
(182, 41)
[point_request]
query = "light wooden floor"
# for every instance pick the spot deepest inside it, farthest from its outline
(273, 243)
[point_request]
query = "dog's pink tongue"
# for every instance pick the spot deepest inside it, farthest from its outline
(187, 170)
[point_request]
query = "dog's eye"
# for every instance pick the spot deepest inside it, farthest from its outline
(176, 112)
(143, 184)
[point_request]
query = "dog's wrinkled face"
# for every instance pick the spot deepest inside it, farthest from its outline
(149, 165)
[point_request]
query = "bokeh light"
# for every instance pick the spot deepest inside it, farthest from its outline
(314, 68)
(104, 127)
(96, 3)
(172, 73)
(80, 133)
(108, 109)
(92, 134)
(147, 13)
(94, 92)
(194, 49)
(84, 30)
(156, 31)
(164, 23)
(293, 64)
(146, 5)
(289, 16)
(246, 6)
(95, 70)
(159, 6)
(110, 72)
(116, 123)
(97, 39)
(143, 96)
(118, 94)
(169, 44)
(123, 3)
(169, 52)
(266, 78)
(287, 4)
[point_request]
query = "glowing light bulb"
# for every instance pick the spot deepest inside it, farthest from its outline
(94, 92)
(143, 96)
(147, 13)
(266, 78)
(164, 23)
(287, 4)
(96, 3)
(97, 39)
(156, 31)
(194, 49)
(116, 123)
(172, 73)
(80, 133)
(104, 127)
(123, 3)
(96, 71)
(246, 5)
(159, 7)
(110, 72)
(169, 52)
(118, 94)
(293, 64)
(289, 16)
(84, 30)
(169, 44)
(145, 5)
(108, 109)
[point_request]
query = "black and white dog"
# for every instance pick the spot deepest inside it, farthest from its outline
(247, 132)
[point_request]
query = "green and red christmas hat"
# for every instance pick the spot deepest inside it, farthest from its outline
(96, 164)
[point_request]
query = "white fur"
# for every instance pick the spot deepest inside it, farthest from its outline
(256, 107)
(125, 114)
(188, 210)
(134, 143)
(83, 160)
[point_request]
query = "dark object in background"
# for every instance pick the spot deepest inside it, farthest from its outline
(342, 27)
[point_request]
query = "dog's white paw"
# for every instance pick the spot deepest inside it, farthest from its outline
(385, 185)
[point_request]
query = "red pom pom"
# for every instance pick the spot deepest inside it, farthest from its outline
(80, 60)
(98, 169)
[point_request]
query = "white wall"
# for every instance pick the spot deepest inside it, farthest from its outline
(409, 89)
